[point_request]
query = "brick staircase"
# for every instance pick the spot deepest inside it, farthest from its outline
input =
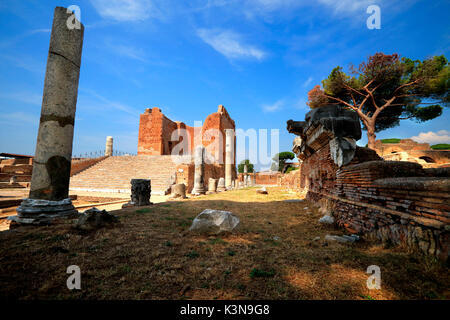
(114, 174)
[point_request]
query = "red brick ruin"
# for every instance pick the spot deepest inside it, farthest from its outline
(156, 138)
(398, 202)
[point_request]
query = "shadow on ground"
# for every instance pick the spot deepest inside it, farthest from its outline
(151, 255)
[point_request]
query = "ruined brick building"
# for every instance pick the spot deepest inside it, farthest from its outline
(165, 155)
(398, 202)
(409, 150)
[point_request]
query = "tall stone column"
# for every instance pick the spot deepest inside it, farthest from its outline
(109, 146)
(229, 157)
(199, 179)
(245, 175)
(49, 191)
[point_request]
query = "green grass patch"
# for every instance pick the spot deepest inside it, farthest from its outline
(125, 269)
(391, 140)
(168, 244)
(193, 254)
(145, 210)
(367, 297)
(259, 273)
(272, 241)
(440, 146)
(184, 224)
(217, 241)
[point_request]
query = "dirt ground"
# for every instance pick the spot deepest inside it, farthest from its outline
(85, 200)
(151, 255)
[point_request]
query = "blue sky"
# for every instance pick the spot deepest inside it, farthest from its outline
(258, 58)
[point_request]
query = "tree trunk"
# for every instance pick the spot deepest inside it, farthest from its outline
(371, 136)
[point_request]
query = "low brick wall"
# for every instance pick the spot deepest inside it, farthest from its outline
(267, 178)
(391, 201)
(290, 180)
(79, 165)
(398, 202)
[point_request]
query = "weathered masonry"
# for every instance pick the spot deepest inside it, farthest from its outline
(49, 190)
(159, 160)
(393, 201)
(160, 136)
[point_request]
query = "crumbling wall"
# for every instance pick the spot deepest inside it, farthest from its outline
(409, 150)
(267, 178)
(155, 133)
(18, 169)
(155, 138)
(82, 164)
(290, 180)
(392, 201)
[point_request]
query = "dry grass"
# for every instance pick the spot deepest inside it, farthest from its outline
(149, 255)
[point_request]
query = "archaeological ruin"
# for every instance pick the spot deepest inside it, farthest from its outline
(409, 150)
(180, 219)
(392, 201)
(49, 189)
(166, 156)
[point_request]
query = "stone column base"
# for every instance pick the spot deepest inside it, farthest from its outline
(130, 204)
(38, 211)
(198, 193)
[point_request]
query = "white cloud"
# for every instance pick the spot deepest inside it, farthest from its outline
(126, 10)
(105, 103)
(301, 104)
(25, 62)
(348, 6)
(26, 97)
(441, 136)
(129, 52)
(230, 44)
(307, 82)
(40, 31)
(338, 6)
(270, 5)
(273, 107)
(19, 117)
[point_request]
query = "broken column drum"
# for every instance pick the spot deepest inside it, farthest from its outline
(49, 191)
(199, 161)
(221, 185)
(109, 146)
(212, 185)
(140, 192)
(229, 157)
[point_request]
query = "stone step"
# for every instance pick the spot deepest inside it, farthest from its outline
(116, 172)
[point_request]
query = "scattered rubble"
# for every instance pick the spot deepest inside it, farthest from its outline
(342, 239)
(263, 190)
(327, 220)
(214, 221)
(94, 218)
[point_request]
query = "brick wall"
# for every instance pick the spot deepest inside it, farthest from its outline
(82, 164)
(290, 180)
(398, 202)
(392, 201)
(155, 132)
(267, 179)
